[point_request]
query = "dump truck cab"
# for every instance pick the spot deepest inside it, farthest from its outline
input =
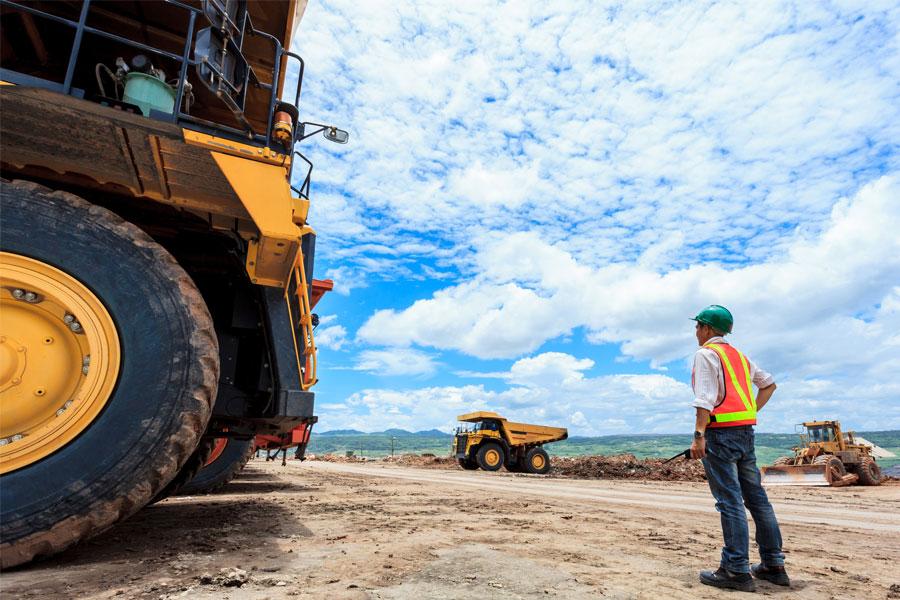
(488, 441)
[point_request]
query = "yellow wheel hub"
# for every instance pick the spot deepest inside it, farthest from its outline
(59, 359)
(537, 461)
(492, 457)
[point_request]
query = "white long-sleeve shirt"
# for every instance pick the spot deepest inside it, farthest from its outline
(709, 380)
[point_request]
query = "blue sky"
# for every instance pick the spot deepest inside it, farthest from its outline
(537, 196)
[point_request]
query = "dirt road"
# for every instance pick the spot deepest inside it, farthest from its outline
(381, 531)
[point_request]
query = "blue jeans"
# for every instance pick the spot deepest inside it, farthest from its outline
(734, 480)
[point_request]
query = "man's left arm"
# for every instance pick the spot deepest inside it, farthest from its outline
(698, 447)
(764, 382)
(763, 395)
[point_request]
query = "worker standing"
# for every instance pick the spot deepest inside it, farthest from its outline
(723, 380)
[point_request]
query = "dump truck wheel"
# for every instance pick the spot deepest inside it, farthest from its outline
(234, 457)
(113, 308)
(195, 462)
(490, 457)
(782, 461)
(537, 461)
(467, 464)
(869, 472)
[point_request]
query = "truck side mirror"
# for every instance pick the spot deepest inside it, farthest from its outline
(338, 136)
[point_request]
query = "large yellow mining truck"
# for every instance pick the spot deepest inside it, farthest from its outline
(825, 456)
(491, 442)
(156, 258)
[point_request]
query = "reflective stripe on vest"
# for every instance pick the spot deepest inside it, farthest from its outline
(738, 407)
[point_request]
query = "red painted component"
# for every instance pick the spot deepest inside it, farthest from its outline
(293, 438)
(319, 287)
(217, 451)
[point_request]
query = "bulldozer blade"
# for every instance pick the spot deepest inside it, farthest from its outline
(796, 475)
(806, 475)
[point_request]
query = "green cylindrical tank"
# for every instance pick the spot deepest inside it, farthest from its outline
(149, 92)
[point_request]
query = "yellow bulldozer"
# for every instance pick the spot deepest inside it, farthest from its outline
(156, 259)
(488, 441)
(826, 456)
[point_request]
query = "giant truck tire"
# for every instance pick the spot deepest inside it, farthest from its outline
(468, 465)
(490, 457)
(110, 368)
(223, 468)
(536, 461)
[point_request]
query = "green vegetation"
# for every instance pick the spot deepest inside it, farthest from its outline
(769, 446)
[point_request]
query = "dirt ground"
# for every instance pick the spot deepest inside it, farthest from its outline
(347, 530)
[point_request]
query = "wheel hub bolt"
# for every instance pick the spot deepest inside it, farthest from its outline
(69, 318)
(85, 369)
(18, 294)
(30, 296)
(16, 437)
(75, 326)
(86, 360)
(3, 441)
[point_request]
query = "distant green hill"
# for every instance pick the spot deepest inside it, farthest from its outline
(343, 432)
(769, 446)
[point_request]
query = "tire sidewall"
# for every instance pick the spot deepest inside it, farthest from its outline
(484, 450)
(530, 465)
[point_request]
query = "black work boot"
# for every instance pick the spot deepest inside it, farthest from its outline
(774, 574)
(723, 578)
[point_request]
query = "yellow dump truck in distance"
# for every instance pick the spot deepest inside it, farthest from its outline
(492, 442)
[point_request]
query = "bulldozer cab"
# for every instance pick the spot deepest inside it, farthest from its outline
(822, 434)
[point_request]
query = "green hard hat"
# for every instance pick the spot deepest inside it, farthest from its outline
(717, 317)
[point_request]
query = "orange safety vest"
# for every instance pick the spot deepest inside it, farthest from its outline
(738, 407)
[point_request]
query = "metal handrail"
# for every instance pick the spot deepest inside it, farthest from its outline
(185, 61)
(304, 319)
(303, 190)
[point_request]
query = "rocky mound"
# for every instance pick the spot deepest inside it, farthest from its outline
(619, 466)
(626, 466)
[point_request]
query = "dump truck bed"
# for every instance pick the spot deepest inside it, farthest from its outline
(520, 433)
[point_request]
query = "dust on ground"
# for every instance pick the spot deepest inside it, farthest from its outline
(387, 530)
